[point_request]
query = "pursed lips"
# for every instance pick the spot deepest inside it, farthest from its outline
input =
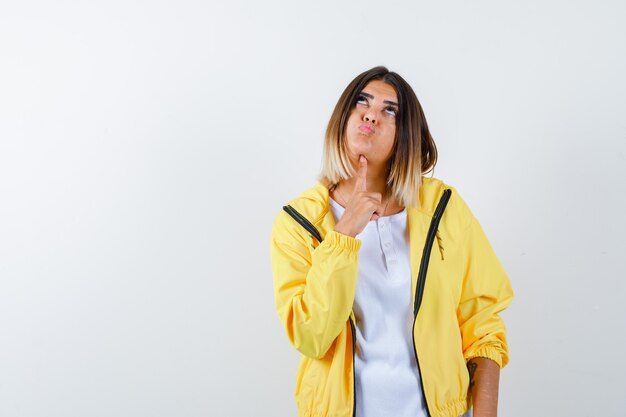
(365, 128)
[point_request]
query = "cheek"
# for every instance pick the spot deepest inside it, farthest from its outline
(391, 136)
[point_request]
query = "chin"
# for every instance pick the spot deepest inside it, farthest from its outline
(365, 152)
(355, 151)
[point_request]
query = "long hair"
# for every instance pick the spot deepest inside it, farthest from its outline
(414, 152)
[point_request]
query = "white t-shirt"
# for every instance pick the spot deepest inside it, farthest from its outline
(387, 380)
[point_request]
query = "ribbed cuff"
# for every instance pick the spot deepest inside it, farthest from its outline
(350, 243)
(489, 352)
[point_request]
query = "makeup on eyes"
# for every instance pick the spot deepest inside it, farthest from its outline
(363, 97)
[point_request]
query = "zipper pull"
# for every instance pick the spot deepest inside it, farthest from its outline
(315, 243)
(439, 244)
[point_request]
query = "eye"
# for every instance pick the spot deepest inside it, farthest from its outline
(392, 111)
(361, 99)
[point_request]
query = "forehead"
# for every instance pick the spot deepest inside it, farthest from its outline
(381, 90)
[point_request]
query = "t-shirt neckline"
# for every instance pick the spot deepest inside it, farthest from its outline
(342, 209)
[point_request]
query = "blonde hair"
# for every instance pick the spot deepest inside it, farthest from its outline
(414, 152)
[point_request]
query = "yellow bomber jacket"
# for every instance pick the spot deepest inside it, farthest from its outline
(458, 289)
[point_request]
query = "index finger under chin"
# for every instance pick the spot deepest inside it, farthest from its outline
(361, 175)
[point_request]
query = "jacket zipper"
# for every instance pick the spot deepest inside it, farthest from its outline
(421, 277)
(352, 327)
(419, 290)
(303, 221)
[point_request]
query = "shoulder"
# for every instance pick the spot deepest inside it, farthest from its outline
(312, 203)
(457, 215)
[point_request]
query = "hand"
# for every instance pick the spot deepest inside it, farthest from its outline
(362, 207)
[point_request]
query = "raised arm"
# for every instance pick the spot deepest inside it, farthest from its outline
(313, 293)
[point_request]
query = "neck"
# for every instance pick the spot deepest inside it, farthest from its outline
(374, 184)
(376, 178)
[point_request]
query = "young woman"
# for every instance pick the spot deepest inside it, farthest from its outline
(383, 278)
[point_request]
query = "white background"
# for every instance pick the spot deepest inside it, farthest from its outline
(146, 147)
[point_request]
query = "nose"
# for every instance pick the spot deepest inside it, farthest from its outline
(369, 116)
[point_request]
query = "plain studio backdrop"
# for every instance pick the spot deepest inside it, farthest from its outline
(146, 147)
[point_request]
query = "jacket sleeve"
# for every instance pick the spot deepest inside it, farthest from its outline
(486, 292)
(313, 293)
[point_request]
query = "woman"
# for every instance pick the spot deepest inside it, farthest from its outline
(383, 278)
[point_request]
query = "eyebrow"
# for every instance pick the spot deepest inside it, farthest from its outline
(368, 95)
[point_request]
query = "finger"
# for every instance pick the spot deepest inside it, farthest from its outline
(377, 197)
(380, 210)
(361, 176)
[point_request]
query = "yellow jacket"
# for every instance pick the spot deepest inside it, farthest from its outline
(462, 288)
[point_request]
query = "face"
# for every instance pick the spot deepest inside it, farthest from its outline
(371, 127)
